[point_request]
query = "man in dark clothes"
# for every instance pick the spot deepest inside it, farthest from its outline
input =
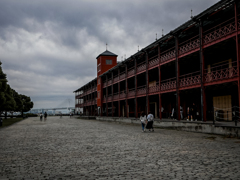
(194, 111)
(45, 116)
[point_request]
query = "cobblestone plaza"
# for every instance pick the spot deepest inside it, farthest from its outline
(88, 149)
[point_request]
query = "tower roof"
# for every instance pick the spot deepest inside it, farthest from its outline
(107, 53)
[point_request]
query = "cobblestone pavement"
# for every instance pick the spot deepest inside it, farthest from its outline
(88, 149)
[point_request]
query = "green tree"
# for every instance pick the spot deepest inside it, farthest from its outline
(10, 103)
(18, 100)
(27, 103)
(3, 88)
(10, 100)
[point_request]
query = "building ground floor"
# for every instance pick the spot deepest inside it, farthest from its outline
(218, 101)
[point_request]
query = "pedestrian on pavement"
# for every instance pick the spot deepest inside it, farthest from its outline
(143, 120)
(181, 112)
(189, 113)
(150, 119)
(194, 112)
(41, 117)
(45, 116)
(173, 114)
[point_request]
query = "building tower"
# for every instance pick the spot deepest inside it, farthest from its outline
(105, 61)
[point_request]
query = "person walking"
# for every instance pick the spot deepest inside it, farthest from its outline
(189, 113)
(143, 120)
(181, 112)
(194, 112)
(41, 117)
(45, 116)
(150, 118)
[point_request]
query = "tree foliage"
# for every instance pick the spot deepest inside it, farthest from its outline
(10, 100)
(3, 87)
(27, 103)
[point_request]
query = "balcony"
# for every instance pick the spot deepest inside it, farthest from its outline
(131, 72)
(219, 32)
(191, 79)
(153, 62)
(168, 56)
(115, 79)
(131, 93)
(109, 98)
(122, 76)
(104, 84)
(104, 99)
(153, 89)
(109, 82)
(122, 95)
(141, 90)
(221, 73)
(115, 96)
(169, 84)
(141, 67)
(189, 46)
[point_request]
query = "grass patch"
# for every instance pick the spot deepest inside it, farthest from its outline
(10, 121)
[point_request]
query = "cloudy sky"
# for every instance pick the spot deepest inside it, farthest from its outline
(49, 47)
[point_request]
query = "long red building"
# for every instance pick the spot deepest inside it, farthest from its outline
(198, 62)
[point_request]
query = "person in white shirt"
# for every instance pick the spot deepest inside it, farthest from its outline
(143, 120)
(150, 119)
(181, 112)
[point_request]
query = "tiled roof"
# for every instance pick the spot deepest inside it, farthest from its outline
(107, 53)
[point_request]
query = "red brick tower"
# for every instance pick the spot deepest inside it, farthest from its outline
(105, 61)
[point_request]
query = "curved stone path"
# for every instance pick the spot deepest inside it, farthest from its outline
(88, 149)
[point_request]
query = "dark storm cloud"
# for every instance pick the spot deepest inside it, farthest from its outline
(49, 47)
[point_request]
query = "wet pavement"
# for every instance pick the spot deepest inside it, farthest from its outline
(89, 149)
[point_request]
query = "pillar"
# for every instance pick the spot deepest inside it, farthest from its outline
(126, 87)
(135, 81)
(203, 97)
(159, 75)
(238, 51)
(177, 109)
(147, 84)
(119, 110)
(106, 96)
(112, 93)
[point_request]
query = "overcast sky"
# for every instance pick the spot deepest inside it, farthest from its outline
(49, 47)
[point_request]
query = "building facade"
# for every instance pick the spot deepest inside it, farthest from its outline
(198, 62)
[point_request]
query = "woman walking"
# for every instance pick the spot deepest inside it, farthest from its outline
(150, 118)
(143, 120)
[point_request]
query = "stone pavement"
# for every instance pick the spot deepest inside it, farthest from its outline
(89, 149)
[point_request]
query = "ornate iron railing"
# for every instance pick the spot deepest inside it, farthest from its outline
(153, 61)
(115, 96)
(189, 45)
(115, 79)
(168, 84)
(131, 72)
(141, 90)
(109, 82)
(225, 71)
(219, 31)
(104, 99)
(153, 89)
(190, 79)
(122, 95)
(167, 55)
(141, 67)
(122, 76)
(104, 84)
(109, 98)
(131, 92)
